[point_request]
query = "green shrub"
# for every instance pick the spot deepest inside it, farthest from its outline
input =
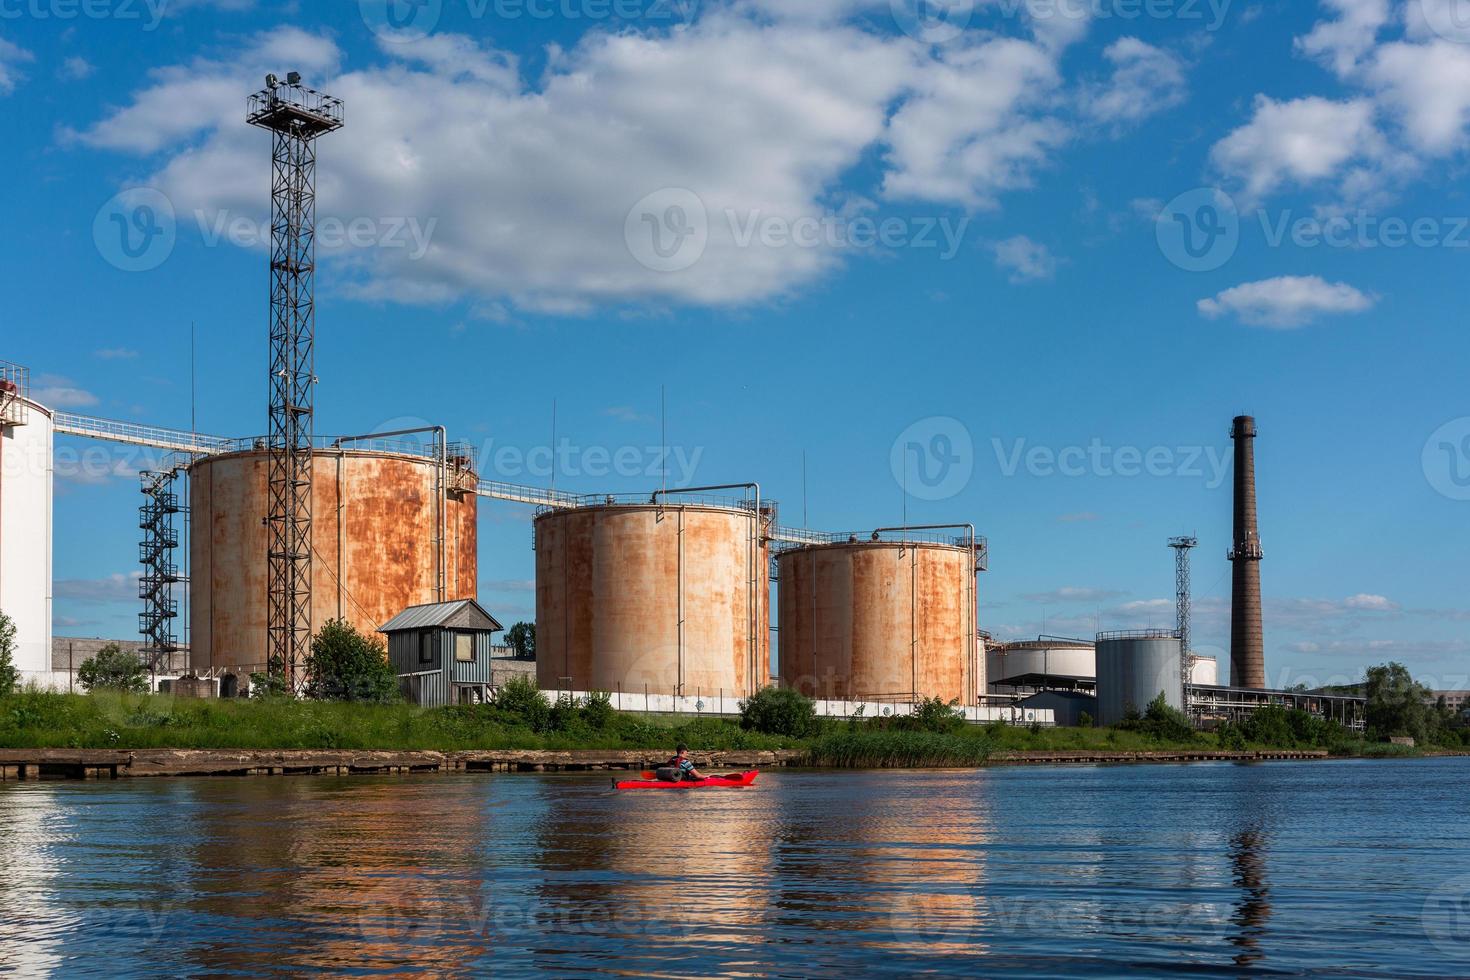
(1084, 720)
(779, 711)
(113, 670)
(1160, 721)
(9, 675)
(597, 710)
(1230, 737)
(344, 665)
(933, 715)
(521, 703)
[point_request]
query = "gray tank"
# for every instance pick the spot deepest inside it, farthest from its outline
(1132, 668)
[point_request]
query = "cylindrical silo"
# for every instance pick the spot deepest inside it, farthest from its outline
(880, 619)
(1054, 657)
(1133, 667)
(389, 530)
(25, 523)
(668, 598)
(1204, 671)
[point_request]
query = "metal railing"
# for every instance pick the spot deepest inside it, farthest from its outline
(132, 433)
(1138, 635)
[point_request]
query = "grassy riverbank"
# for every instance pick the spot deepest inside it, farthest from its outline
(32, 719)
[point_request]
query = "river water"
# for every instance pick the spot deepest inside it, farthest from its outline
(1302, 869)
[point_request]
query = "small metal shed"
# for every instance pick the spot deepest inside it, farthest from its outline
(442, 651)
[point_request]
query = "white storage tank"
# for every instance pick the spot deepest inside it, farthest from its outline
(1050, 655)
(25, 520)
(1204, 671)
(1133, 667)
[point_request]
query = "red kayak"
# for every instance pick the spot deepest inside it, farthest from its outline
(713, 782)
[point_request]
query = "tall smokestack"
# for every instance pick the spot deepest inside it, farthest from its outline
(1247, 648)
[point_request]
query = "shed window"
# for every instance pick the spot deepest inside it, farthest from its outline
(464, 648)
(426, 647)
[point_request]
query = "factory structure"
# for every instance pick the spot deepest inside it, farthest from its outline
(666, 594)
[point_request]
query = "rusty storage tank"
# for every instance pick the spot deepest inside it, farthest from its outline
(669, 595)
(881, 619)
(1133, 668)
(390, 529)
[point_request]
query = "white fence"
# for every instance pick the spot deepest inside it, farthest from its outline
(727, 704)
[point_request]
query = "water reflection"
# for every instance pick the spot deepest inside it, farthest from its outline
(1007, 872)
(1253, 910)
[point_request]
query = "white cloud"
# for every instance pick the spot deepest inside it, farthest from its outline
(972, 128)
(1302, 140)
(55, 391)
(1426, 89)
(1145, 80)
(1342, 43)
(1371, 603)
(1024, 259)
(75, 69)
(115, 353)
(1286, 301)
(1073, 594)
(11, 56)
(117, 587)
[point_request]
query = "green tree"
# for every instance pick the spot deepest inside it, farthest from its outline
(1398, 705)
(344, 665)
(9, 675)
(779, 711)
(522, 639)
(113, 670)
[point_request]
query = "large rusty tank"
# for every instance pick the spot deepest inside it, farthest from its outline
(881, 619)
(376, 545)
(669, 596)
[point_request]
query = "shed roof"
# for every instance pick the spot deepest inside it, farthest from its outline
(462, 613)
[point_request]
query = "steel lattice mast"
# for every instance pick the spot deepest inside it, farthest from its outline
(296, 116)
(1182, 546)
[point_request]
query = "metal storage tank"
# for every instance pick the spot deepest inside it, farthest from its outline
(1054, 655)
(881, 619)
(26, 465)
(670, 596)
(1204, 671)
(1133, 666)
(390, 530)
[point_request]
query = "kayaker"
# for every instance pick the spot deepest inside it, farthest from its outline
(680, 769)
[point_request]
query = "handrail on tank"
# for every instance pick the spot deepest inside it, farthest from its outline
(1155, 634)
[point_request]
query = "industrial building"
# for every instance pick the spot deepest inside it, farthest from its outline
(667, 593)
(443, 652)
(888, 617)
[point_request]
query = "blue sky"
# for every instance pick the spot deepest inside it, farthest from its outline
(874, 228)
